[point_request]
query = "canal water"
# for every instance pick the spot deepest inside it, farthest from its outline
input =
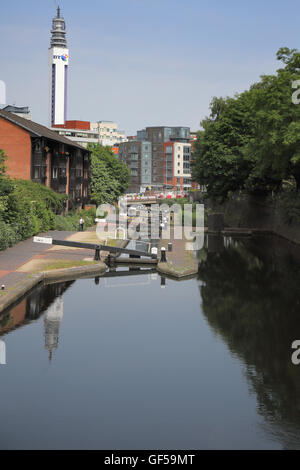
(136, 361)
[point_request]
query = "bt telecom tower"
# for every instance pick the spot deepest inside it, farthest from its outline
(58, 65)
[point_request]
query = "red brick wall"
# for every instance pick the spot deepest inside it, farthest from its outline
(82, 125)
(16, 143)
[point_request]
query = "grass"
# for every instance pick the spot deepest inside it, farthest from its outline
(112, 242)
(67, 264)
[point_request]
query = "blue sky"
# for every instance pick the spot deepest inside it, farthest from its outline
(144, 62)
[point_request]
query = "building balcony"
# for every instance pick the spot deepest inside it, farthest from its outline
(62, 180)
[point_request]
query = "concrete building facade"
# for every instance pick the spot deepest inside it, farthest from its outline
(58, 71)
(77, 131)
(137, 156)
(177, 166)
(108, 132)
(158, 136)
(85, 132)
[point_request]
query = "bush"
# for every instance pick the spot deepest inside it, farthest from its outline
(28, 208)
(71, 220)
(8, 235)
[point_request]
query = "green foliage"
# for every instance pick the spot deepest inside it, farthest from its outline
(8, 235)
(109, 177)
(26, 208)
(30, 207)
(252, 142)
(70, 221)
(3, 158)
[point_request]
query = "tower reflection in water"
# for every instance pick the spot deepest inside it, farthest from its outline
(2, 353)
(43, 300)
(52, 320)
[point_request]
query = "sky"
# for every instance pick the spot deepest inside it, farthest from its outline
(144, 62)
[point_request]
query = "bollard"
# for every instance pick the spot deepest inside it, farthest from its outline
(163, 282)
(97, 280)
(163, 258)
(170, 247)
(97, 254)
(154, 250)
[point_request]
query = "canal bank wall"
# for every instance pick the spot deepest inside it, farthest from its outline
(278, 214)
(24, 286)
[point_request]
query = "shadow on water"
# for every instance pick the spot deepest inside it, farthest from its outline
(250, 297)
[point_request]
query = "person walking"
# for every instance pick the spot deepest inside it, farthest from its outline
(81, 224)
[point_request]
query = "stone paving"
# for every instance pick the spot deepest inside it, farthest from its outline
(181, 262)
(13, 259)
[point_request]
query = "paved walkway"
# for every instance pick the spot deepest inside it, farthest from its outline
(13, 258)
(181, 262)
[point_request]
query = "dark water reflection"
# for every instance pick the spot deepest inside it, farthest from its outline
(134, 360)
(251, 298)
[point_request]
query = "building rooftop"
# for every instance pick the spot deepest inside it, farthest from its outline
(38, 130)
(16, 109)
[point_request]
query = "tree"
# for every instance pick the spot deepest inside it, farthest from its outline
(220, 162)
(252, 142)
(277, 137)
(109, 177)
(104, 188)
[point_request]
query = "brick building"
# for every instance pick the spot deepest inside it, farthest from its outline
(36, 153)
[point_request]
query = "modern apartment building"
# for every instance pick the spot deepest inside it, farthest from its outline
(108, 133)
(85, 132)
(137, 156)
(77, 131)
(159, 136)
(176, 165)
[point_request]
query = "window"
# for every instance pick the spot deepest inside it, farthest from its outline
(54, 173)
(36, 172)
